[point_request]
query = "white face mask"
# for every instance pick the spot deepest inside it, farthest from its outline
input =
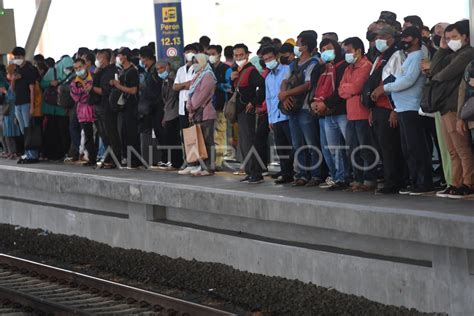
(118, 62)
(97, 63)
(213, 59)
(189, 56)
(197, 67)
(455, 45)
(18, 62)
(240, 63)
(297, 52)
(381, 45)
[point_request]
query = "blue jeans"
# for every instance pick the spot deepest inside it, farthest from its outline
(324, 148)
(22, 113)
(304, 133)
(336, 127)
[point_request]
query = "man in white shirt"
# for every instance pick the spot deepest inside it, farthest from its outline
(184, 76)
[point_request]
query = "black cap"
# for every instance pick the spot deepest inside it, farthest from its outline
(388, 16)
(415, 20)
(265, 40)
(125, 51)
(412, 31)
(244, 47)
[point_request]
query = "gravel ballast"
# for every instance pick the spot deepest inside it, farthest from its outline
(208, 283)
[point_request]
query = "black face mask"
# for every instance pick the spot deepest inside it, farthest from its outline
(284, 60)
(407, 45)
(437, 40)
(371, 36)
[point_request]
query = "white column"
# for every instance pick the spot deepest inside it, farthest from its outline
(471, 19)
(37, 28)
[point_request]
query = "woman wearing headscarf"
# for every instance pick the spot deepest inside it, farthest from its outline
(11, 131)
(200, 108)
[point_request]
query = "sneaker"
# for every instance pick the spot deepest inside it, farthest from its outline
(460, 193)
(299, 183)
(284, 180)
(196, 170)
(406, 191)
(245, 180)
(421, 191)
(385, 191)
(239, 173)
(327, 184)
(187, 170)
(314, 182)
(256, 180)
(446, 192)
(203, 173)
(337, 186)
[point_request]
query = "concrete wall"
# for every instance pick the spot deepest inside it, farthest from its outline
(415, 259)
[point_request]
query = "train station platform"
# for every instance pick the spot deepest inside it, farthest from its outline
(400, 250)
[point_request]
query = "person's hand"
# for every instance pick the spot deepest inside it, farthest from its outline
(443, 43)
(461, 127)
(234, 75)
(282, 95)
(114, 83)
(320, 107)
(425, 67)
(17, 76)
(3, 90)
(371, 118)
(288, 104)
(260, 110)
(187, 85)
(249, 108)
(377, 93)
(54, 83)
(393, 119)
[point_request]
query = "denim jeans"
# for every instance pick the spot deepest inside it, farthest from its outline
(22, 113)
(304, 132)
(363, 160)
(324, 148)
(335, 127)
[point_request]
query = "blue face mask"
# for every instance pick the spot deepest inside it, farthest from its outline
(164, 75)
(381, 45)
(272, 64)
(81, 73)
(142, 64)
(328, 55)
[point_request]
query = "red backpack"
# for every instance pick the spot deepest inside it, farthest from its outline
(327, 82)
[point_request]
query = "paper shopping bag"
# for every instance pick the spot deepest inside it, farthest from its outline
(194, 145)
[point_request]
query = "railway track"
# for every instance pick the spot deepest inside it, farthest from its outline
(39, 289)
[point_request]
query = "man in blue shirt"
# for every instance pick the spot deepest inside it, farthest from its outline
(406, 92)
(279, 123)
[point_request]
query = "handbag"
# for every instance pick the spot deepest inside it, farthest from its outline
(467, 111)
(194, 145)
(230, 107)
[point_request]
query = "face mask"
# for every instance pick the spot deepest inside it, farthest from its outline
(197, 67)
(213, 59)
(437, 40)
(350, 59)
(189, 56)
(370, 36)
(97, 63)
(285, 60)
(142, 64)
(240, 63)
(426, 40)
(164, 74)
(381, 45)
(67, 71)
(271, 64)
(81, 73)
(455, 45)
(297, 52)
(406, 45)
(118, 62)
(18, 62)
(328, 55)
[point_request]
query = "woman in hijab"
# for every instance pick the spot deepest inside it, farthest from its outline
(200, 108)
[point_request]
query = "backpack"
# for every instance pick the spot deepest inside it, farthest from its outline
(118, 100)
(297, 78)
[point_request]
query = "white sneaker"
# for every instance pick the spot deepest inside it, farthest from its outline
(203, 173)
(327, 184)
(187, 170)
(197, 170)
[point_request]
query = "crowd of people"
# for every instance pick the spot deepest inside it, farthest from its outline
(340, 115)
